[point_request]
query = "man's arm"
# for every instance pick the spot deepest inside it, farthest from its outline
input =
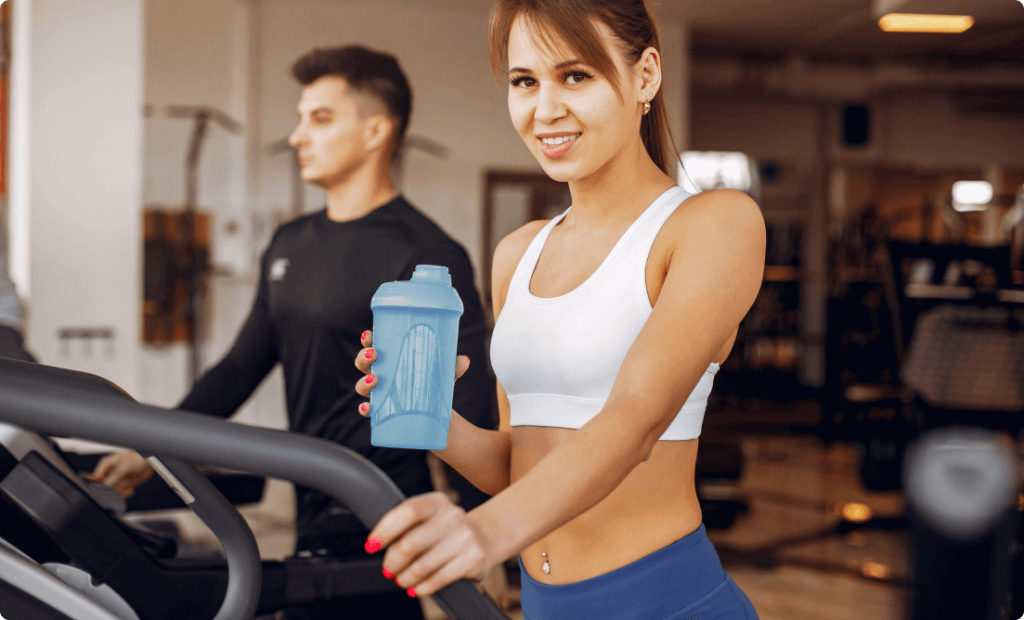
(220, 391)
(225, 387)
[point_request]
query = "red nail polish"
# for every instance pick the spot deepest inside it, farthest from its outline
(362, 408)
(368, 354)
(369, 378)
(388, 574)
(372, 545)
(363, 335)
(411, 592)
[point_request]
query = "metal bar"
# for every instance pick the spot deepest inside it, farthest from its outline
(29, 400)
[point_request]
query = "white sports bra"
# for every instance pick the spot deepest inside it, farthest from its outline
(557, 357)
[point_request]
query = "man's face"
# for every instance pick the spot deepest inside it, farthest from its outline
(335, 133)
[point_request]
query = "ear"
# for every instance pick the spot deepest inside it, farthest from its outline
(378, 131)
(648, 70)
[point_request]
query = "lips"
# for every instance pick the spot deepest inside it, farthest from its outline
(565, 141)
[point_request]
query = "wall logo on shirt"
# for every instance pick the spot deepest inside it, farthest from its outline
(278, 268)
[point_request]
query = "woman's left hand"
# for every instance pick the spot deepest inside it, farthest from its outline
(430, 543)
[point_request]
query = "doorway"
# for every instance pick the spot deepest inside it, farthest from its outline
(513, 199)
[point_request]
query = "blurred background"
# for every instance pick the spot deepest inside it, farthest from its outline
(144, 168)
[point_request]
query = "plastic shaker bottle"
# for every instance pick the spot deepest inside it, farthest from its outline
(415, 334)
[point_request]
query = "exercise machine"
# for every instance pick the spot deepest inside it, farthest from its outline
(65, 403)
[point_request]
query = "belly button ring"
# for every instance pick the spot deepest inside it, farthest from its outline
(547, 565)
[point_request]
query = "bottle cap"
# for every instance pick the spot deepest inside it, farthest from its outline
(436, 274)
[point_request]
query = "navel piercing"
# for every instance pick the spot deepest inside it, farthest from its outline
(547, 565)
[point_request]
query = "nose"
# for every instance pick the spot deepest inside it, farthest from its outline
(297, 137)
(549, 105)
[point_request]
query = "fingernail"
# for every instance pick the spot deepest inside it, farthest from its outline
(368, 354)
(388, 574)
(362, 408)
(363, 335)
(411, 592)
(372, 545)
(369, 378)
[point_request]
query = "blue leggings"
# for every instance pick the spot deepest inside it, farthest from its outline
(683, 581)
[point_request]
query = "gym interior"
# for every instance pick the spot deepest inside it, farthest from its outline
(878, 380)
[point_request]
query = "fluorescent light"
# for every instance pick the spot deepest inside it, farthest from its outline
(972, 195)
(717, 170)
(914, 22)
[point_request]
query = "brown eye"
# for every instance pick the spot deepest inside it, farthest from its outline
(522, 81)
(577, 77)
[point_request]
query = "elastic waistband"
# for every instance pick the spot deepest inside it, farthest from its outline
(655, 586)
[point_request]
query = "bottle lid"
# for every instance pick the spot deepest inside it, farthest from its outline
(429, 287)
(436, 274)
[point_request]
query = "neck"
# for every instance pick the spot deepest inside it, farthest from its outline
(360, 193)
(620, 190)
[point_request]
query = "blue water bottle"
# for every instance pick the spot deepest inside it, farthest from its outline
(415, 334)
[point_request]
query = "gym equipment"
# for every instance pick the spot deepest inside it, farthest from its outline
(185, 260)
(962, 487)
(53, 401)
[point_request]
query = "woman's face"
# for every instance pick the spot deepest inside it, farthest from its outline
(570, 117)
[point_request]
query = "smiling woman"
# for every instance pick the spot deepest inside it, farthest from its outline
(611, 321)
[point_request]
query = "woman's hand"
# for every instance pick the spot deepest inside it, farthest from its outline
(368, 355)
(431, 543)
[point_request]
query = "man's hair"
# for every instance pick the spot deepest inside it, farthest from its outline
(368, 73)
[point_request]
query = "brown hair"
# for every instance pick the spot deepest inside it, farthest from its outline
(631, 23)
(368, 72)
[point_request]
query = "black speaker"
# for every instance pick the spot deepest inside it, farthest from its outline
(856, 125)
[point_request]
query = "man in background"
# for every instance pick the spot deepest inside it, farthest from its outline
(316, 281)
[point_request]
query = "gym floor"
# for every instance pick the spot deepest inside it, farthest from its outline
(784, 551)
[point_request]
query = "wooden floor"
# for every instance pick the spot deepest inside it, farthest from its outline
(782, 552)
(795, 486)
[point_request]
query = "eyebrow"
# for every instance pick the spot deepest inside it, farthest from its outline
(562, 65)
(319, 110)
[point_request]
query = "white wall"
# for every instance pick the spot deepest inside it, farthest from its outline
(200, 53)
(76, 178)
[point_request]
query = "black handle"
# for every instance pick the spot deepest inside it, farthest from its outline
(31, 399)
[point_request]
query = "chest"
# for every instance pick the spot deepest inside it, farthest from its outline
(320, 284)
(569, 260)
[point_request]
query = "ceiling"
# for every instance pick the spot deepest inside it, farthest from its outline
(848, 29)
(835, 28)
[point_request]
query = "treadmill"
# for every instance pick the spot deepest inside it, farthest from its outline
(97, 567)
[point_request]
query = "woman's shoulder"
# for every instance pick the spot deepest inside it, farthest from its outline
(714, 213)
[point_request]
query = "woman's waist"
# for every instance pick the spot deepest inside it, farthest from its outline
(687, 565)
(617, 532)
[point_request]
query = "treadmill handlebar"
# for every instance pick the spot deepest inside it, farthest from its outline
(31, 399)
(245, 572)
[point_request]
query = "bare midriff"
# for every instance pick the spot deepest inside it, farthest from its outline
(654, 506)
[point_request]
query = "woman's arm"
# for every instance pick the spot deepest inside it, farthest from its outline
(480, 455)
(713, 276)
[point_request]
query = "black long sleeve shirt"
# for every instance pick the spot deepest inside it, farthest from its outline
(313, 302)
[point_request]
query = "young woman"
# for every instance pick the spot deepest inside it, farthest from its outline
(612, 319)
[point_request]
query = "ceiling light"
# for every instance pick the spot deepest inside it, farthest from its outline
(972, 195)
(912, 22)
